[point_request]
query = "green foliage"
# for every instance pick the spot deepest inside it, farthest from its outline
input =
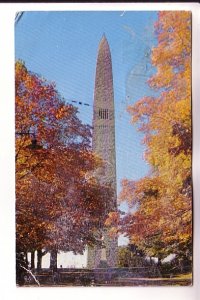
(128, 258)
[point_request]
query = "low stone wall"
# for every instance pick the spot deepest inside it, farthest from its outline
(86, 277)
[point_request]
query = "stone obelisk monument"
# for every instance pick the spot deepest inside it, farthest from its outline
(103, 143)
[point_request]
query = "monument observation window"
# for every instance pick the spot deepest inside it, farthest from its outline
(103, 113)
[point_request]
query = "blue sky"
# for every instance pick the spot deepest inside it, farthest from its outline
(62, 47)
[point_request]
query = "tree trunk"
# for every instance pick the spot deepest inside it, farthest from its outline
(53, 260)
(33, 259)
(26, 259)
(159, 261)
(39, 259)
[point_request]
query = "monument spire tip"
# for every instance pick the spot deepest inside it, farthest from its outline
(104, 39)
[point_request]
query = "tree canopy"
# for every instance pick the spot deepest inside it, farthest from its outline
(58, 200)
(162, 222)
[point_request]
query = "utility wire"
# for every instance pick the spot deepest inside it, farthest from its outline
(79, 102)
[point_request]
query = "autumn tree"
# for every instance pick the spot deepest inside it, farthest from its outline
(58, 200)
(129, 258)
(162, 222)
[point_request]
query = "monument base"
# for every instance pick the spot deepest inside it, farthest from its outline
(103, 264)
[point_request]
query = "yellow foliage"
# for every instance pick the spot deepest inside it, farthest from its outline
(164, 217)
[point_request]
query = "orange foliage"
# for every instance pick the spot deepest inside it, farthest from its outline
(58, 200)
